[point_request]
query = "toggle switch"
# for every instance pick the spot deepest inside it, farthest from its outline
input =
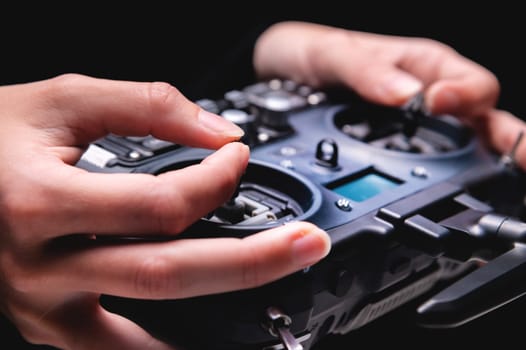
(327, 153)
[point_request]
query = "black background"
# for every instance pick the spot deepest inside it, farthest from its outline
(179, 44)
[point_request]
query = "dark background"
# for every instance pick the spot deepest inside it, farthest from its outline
(183, 46)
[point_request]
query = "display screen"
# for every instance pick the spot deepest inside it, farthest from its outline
(365, 187)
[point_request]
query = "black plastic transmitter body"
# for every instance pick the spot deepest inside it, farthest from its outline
(400, 192)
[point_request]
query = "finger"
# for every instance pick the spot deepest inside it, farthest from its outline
(76, 201)
(369, 64)
(92, 107)
(381, 81)
(465, 89)
(189, 267)
(392, 70)
(501, 130)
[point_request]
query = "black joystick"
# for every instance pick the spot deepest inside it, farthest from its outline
(327, 153)
(413, 111)
(233, 210)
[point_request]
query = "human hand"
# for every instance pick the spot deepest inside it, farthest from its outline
(53, 267)
(390, 70)
(382, 68)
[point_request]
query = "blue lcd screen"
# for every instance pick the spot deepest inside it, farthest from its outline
(365, 187)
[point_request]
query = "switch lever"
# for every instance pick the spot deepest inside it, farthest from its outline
(327, 153)
(278, 324)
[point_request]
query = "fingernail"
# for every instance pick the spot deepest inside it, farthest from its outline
(310, 245)
(403, 86)
(218, 124)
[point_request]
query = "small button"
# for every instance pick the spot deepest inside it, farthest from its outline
(287, 163)
(344, 204)
(134, 155)
(288, 151)
(316, 98)
(420, 172)
(237, 116)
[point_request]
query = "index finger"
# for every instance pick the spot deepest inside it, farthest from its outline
(391, 69)
(85, 108)
(461, 86)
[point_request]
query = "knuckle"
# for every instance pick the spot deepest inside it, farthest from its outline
(430, 44)
(251, 269)
(431, 49)
(167, 213)
(156, 276)
(62, 84)
(67, 79)
(161, 95)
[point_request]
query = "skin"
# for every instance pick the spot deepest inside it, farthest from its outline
(53, 267)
